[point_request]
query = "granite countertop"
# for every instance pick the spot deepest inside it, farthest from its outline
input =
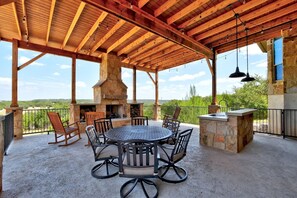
(224, 116)
(241, 112)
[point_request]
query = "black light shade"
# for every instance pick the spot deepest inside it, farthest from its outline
(247, 78)
(237, 74)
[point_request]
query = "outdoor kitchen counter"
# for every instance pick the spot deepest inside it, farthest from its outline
(229, 131)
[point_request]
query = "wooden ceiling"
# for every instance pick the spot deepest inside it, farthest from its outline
(151, 35)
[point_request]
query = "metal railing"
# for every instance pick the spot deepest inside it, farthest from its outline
(8, 129)
(37, 121)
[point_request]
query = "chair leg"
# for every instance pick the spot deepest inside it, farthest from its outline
(179, 174)
(135, 182)
(111, 169)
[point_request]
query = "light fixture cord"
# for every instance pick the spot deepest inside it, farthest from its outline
(236, 16)
(247, 50)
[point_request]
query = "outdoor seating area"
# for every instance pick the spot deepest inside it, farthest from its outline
(262, 169)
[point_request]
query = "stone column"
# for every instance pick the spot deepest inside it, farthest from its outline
(157, 112)
(18, 121)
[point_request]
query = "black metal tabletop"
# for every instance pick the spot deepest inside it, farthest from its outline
(140, 132)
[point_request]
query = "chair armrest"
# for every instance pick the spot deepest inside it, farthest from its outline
(72, 124)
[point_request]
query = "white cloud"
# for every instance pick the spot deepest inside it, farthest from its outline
(8, 57)
(24, 59)
(126, 75)
(56, 74)
(187, 77)
(253, 50)
(81, 84)
(63, 66)
(162, 80)
(5, 81)
(261, 63)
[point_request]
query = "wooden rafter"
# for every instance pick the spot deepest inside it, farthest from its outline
(207, 13)
(185, 60)
(73, 23)
(123, 38)
(168, 4)
(31, 61)
(16, 20)
(193, 6)
(135, 43)
(150, 23)
(151, 78)
(50, 19)
(228, 15)
(111, 32)
(146, 47)
(91, 31)
(4, 2)
(25, 19)
(247, 18)
(209, 66)
(142, 3)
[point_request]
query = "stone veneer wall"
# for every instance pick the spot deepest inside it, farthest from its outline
(231, 135)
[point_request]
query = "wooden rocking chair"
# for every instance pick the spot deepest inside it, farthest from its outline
(63, 131)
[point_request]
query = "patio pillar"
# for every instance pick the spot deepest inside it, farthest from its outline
(157, 107)
(214, 107)
(2, 118)
(134, 84)
(73, 80)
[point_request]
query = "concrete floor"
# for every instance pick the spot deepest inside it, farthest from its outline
(267, 167)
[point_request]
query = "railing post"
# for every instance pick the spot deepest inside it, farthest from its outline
(283, 123)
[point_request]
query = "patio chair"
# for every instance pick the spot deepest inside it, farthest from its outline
(173, 125)
(174, 116)
(63, 130)
(139, 120)
(105, 153)
(90, 117)
(102, 125)
(138, 160)
(170, 155)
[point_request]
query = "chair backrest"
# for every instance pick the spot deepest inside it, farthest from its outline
(91, 116)
(181, 144)
(138, 159)
(139, 120)
(93, 138)
(172, 124)
(102, 125)
(56, 122)
(176, 113)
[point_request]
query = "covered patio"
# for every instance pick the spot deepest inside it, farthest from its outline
(265, 168)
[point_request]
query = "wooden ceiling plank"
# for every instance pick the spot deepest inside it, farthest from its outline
(142, 3)
(16, 21)
(207, 13)
(91, 31)
(50, 19)
(146, 47)
(31, 61)
(149, 23)
(25, 19)
(228, 15)
(135, 43)
(168, 4)
(123, 38)
(111, 32)
(246, 18)
(193, 6)
(170, 64)
(73, 23)
(5, 2)
(165, 57)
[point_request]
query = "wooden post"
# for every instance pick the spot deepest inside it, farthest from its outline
(214, 79)
(14, 83)
(73, 80)
(134, 84)
(157, 88)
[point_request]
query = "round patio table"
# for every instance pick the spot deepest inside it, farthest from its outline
(139, 132)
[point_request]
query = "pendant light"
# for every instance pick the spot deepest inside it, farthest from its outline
(247, 78)
(237, 73)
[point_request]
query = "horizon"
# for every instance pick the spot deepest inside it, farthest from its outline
(50, 76)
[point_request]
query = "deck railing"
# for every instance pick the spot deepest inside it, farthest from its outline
(8, 129)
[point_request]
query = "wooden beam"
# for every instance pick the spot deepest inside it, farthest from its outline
(193, 6)
(251, 19)
(146, 47)
(14, 79)
(214, 78)
(224, 17)
(123, 38)
(207, 13)
(135, 43)
(111, 32)
(134, 84)
(50, 50)
(91, 31)
(179, 55)
(73, 23)
(16, 20)
(142, 3)
(209, 66)
(31, 61)
(165, 6)
(5, 2)
(25, 19)
(156, 95)
(151, 78)
(138, 17)
(73, 80)
(50, 19)
(174, 63)
(130, 66)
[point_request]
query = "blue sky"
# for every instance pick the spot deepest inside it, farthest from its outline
(50, 76)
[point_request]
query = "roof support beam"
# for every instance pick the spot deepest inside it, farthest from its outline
(50, 19)
(74, 21)
(16, 20)
(31, 61)
(209, 66)
(25, 19)
(142, 3)
(120, 8)
(4, 2)
(168, 4)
